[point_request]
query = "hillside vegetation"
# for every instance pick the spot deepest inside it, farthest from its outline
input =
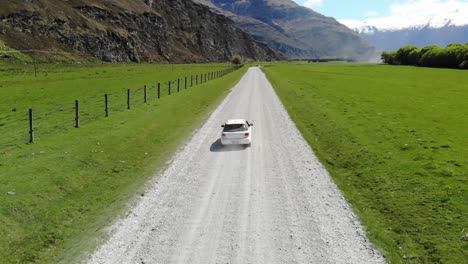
(394, 140)
(8, 54)
(59, 193)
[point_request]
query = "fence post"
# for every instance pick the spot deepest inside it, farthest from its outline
(185, 83)
(31, 126)
(106, 100)
(196, 79)
(159, 90)
(169, 88)
(146, 94)
(178, 85)
(77, 114)
(128, 99)
(191, 80)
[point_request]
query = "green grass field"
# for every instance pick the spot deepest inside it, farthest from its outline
(395, 140)
(53, 93)
(57, 194)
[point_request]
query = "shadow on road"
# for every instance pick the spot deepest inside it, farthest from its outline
(218, 147)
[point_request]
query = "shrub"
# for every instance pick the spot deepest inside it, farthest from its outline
(414, 56)
(453, 56)
(403, 55)
(389, 58)
(236, 59)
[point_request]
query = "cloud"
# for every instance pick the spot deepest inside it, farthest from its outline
(419, 12)
(313, 3)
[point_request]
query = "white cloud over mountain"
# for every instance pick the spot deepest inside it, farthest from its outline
(417, 13)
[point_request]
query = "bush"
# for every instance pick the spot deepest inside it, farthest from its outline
(428, 48)
(414, 56)
(453, 56)
(389, 58)
(403, 55)
(236, 59)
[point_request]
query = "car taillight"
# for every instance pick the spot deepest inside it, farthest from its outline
(223, 135)
(247, 134)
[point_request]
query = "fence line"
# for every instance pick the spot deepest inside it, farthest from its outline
(197, 79)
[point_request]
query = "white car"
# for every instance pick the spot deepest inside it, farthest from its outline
(236, 132)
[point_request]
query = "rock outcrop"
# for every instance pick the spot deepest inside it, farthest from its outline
(127, 30)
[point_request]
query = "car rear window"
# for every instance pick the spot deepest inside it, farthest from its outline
(235, 128)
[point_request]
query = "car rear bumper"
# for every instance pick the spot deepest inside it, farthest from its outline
(241, 141)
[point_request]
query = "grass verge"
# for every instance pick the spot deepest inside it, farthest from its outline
(56, 195)
(395, 141)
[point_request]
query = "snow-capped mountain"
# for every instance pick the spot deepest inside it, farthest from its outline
(392, 32)
(455, 17)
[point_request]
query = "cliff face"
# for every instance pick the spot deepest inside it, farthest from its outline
(294, 30)
(127, 30)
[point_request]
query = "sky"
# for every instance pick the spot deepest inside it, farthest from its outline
(389, 10)
(349, 9)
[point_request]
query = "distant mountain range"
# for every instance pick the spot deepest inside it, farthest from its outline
(390, 34)
(296, 31)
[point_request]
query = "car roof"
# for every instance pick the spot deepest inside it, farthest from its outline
(235, 121)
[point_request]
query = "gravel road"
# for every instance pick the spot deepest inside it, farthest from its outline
(270, 203)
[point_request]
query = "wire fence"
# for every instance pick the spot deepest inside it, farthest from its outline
(36, 124)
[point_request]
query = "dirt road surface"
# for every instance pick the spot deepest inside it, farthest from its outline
(270, 203)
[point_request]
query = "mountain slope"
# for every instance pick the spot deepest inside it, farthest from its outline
(126, 30)
(294, 30)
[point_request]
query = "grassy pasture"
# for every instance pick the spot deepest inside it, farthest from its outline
(57, 195)
(52, 94)
(395, 140)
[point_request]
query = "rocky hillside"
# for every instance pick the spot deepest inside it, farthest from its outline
(294, 30)
(126, 30)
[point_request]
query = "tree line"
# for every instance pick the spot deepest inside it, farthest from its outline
(453, 56)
